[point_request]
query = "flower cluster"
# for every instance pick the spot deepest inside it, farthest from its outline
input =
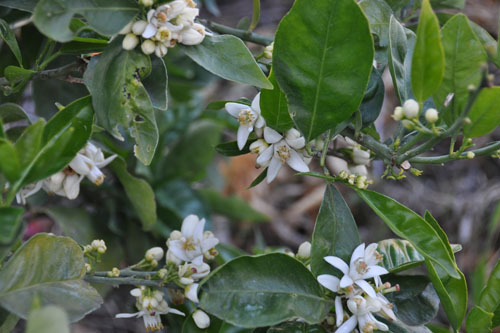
(164, 27)
(93, 252)
(274, 149)
(66, 183)
(362, 298)
(408, 114)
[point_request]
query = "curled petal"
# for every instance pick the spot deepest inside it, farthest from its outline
(367, 288)
(330, 282)
(234, 109)
(256, 103)
(348, 326)
(271, 136)
(337, 263)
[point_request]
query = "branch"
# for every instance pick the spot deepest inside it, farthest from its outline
(488, 150)
(115, 281)
(382, 150)
(243, 34)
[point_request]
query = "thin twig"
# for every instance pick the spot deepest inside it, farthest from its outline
(243, 34)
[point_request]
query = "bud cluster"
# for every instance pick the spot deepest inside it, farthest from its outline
(93, 252)
(409, 114)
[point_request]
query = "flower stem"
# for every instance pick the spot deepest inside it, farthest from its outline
(115, 281)
(243, 34)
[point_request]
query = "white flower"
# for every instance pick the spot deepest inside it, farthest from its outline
(162, 15)
(54, 183)
(28, 191)
(362, 317)
(304, 251)
(130, 41)
(201, 319)
(71, 186)
(191, 292)
(410, 108)
(154, 253)
(191, 246)
(248, 117)
(282, 150)
(193, 35)
(161, 50)
(88, 161)
(360, 157)
(431, 115)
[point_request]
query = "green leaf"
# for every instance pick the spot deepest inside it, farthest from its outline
(490, 296)
(231, 148)
(324, 87)
(106, 17)
(484, 113)
(191, 156)
(259, 179)
(455, 4)
(8, 321)
(416, 303)
(399, 255)
(401, 47)
(274, 108)
(9, 161)
(335, 232)
(428, 57)
(10, 112)
(489, 43)
(373, 99)
(10, 223)
(156, 84)
(139, 193)
(49, 319)
(379, 15)
(397, 4)
(296, 327)
(464, 56)
(262, 291)
(81, 45)
(16, 74)
(255, 15)
(120, 99)
(233, 207)
(10, 39)
(409, 225)
(24, 5)
(228, 57)
(51, 268)
(478, 320)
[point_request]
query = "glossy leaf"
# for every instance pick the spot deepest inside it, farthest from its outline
(401, 47)
(409, 225)
(490, 296)
(16, 75)
(479, 320)
(489, 43)
(379, 15)
(49, 319)
(81, 45)
(464, 56)
(51, 268)
(106, 17)
(456, 4)
(228, 57)
(335, 232)
(397, 4)
(10, 223)
(416, 303)
(156, 84)
(10, 112)
(274, 108)
(484, 114)
(259, 179)
(324, 87)
(120, 99)
(399, 255)
(10, 39)
(10, 166)
(373, 99)
(24, 5)
(231, 148)
(428, 57)
(262, 291)
(139, 193)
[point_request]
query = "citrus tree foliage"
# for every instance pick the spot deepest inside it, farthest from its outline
(118, 124)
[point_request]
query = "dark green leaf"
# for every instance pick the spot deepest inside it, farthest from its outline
(399, 255)
(490, 296)
(489, 43)
(10, 165)
(374, 98)
(156, 84)
(296, 327)
(120, 99)
(379, 15)
(228, 57)
(484, 114)
(428, 57)
(274, 108)
(106, 17)
(259, 179)
(10, 223)
(80, 45)
(24, 5)
(397, 4)
(10, 112)
(139, 193)
(335, 232)
(401, 47)
(324, 87)
(409, 225)
(10, 39)
(16, 74)
(464, 56)
(231, 148)
(416, 303)
(51, 268)
(263, 290)
(49, 319)
(479, 320)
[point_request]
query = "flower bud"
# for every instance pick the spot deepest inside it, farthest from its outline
(431, 115)
(359, 170)
(295, 139)
(139, 27)
(257, 147)
(136, 292)
(148, 46)
(154, 253)
(55, 182)
(470, 155)
(201, 319)
(191, 292)
(71, 185)
(126, 29)
(88, 267)
(186, 281)
(360, 157)
(410, 109)
(146, 3)
(130, 42)
(193, 36)
(161, 50)
(81, 164)
(336, 165)
(398, 114)
(96, 176)
(171, 258)
(268, 51)
(304, 251)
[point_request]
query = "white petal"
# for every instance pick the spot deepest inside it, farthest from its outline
(198, 261)
(271, 136)
(256, 103)
(339, 311)
(346, 281)
(330, 282)
(367, 288)
(191, 292)
(242, 137)
(266, 155)
(298, 143)
(234, 109)
(273, 169)
(337, 263)
(296, 162)
(189, 224)
(129, 315)
(198, 230)
(177, 312)
(260, 122)
(359, 253)
(150, 31)
(374, 271)
(348, 326)
(176, 249)
(209, 243)
(106, 161)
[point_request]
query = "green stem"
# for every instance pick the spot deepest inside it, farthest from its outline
(128, 273)
(243, 34)
(115, 281)
(325, 150)
(411, 142)
(488, 150)
(367, 141)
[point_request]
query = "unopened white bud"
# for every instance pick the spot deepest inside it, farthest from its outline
(126, 29)
(193, 35)
(154, 253)
(410, 109)
(130, 42)
(88, 268)
(304, 251)
(398, 114)
(268, 51)
(360, 157)
(201, 319)
(336, 164)
(136, 292)
(162, 273)
(161, 50)
(147, 3)
(467, 120)
(431, 115)
(186, 281)
(71, 185)
(257, 147)
(139, 27)
(359, 170)
(148, 46)
(470, 155)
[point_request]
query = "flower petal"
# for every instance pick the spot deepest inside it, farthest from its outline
(198, 230)
(177, 312)
(266, 155)
(367, 288)
(129, 315)
(271, 136)
(198, 261)
(242, 137)
(339, 311)
(273, 170)
(330, 282)
(209, 243)
(296, 162)
(189, 224)
(348, 326)
(374, 271)
(176, 249)
(150, 31)
(359, 253)
(346, 281)
(260, 122)
(234, 109)
(337, 263)
(256, 103)
(298, 143)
